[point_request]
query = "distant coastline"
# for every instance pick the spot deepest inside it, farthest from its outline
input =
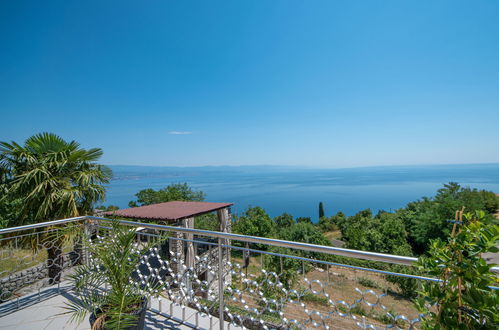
(298, 190)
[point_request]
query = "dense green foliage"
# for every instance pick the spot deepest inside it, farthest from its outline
(304, 220)
(384, 233)
(303, 232)
(426, 219)
(207, 222)
(284, 220)
(331, 223)
(409, 230)
(463, 298)
(255, 222)
(406, 231)
(173, 192)
(48, 178)
(9, 207)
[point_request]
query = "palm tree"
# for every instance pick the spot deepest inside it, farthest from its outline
(55, 179)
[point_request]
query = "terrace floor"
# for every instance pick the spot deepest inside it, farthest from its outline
(43, 310)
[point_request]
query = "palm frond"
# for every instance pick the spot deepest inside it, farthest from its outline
(116, 257)
(55, 178)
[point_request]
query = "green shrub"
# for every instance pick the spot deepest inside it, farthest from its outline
(463, 299)
(313, 298)
(367, 282)
(407, 286)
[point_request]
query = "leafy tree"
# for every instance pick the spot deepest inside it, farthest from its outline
(306, 233)
(408, 286)
(392, 229)
(284, 220)
(9, 207)
(304, 220)
(54, 179)
(207, 222)
(332, 223)
(424, 223)
(380, 214)
(367, 213)
(385, 234)
(255, 222)
(362, 234)
(326, 224)
(321, 210)
(339, 220)
(490, 201)
(463, 299)
(286, 268)
(173, 192)
(426, 219)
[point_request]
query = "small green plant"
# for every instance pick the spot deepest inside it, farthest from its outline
(313, 298)
(463, 298)
(114, 262)
(367, 282)
(359, 310)
(240, 311)
(383, 317)
(274, 294)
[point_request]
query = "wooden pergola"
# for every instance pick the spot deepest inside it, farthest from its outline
(179, 213)
(173, 212)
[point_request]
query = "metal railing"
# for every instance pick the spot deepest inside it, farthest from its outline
(247, 281)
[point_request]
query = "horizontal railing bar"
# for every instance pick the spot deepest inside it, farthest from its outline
(366, 255)
(41, 224)
(288, 256)
(29, 234)
(373, 270)
(373, 256)
(333, 263)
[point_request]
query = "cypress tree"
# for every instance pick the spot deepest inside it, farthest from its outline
(321, 210)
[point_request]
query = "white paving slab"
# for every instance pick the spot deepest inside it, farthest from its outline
(44, 310)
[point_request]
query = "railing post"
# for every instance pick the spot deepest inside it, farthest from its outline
(220, 285)
(86, 237)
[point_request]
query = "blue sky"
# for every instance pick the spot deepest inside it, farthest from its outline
(314, 83)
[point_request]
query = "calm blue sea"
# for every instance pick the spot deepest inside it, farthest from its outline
(298, 191)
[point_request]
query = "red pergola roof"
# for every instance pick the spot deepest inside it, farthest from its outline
(169, 211)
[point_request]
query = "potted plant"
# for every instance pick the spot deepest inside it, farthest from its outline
(107, 285)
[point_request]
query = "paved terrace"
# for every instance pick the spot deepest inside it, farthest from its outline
(43, 310)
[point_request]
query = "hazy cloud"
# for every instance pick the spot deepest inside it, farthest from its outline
(179, 132)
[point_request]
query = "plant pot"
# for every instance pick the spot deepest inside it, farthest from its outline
(139, 323)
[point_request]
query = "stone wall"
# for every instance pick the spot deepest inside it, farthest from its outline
(21, 279)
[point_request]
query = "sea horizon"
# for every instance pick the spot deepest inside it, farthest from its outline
(298, 190)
